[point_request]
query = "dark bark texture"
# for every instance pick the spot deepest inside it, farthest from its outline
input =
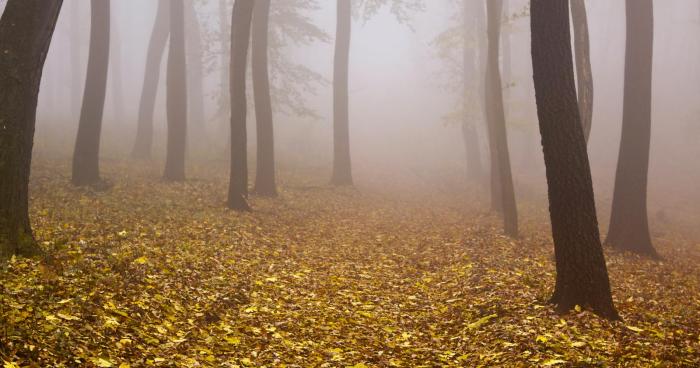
(265, 172)
(177, 95)
(240, 42)
(584, 72)
(629, 225)
(582, 277)
(342, 166)
(86, 158)
(26, 29)
(143, 145)
(497, 121)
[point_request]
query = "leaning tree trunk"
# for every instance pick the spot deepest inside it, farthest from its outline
(86, 170)
(629, 226)
(475, 169)
(342, 167)
(584, 71)
(497, 121)
(265, 173)
(156, 48)
(177, 95)
(26, 28)
(240, 39)
(582, 277)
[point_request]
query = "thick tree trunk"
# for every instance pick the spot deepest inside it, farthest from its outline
(342, 167)
(475, 169)
(197, 136)
(177, 95)
(265, 173)
(629, 226)
(496, 117)
(507, 62)
(582, 277)
(240, 40)
(86, 170)
(156, 48)
(26, 28)
(584, 72)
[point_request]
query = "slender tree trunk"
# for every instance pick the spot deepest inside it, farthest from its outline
(26, 28)
(156, 48)
(75, 58)
(240, 39)
(177, 95)
(497, 122)
(475, 169)
(582, 277)
(629, 226)
(584, 72)
(195, 78)
(342, 167)
(225, 44)
(86, 159)
(115, 74)
(507, 58)
(265, 173)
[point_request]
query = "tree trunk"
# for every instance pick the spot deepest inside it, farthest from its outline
(156, 48)
(195, 79)
(265, 173)
(75, 58)
(177, 95)
(475, 169)
(240, 39)
(582, 277)
(26, 28)
(116, 75)
(584, 71)
(342, 167)
(507, 61)
(86, 170)
(225, 44)
(496, 117)
(629, 226)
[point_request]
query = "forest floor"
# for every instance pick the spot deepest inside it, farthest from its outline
(157, 274)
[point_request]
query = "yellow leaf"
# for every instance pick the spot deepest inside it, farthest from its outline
(101, 362)
(577, 308)
(251, 309)
(359, 365)
(541, 339)
(552, 362)
(124, 365)
(67, 317)
(477, 324)
(233, 340)
(141, 260)
(10, 365)
(635, 329)
(271, 279)
(578, 344)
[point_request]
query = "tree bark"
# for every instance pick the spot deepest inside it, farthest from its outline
(265, 173)
(629, 225)
(156, 49)
(86, 170)
(197, 136)
(584, 72)
(582, 277)
(496, 117)
(177, 95)
(26, 29)
(240, 40)
(342, 166)
(475, 169)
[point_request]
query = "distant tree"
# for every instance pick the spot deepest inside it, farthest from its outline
(629, 225)
(242, 16)
(582, 276)
(156, 49)
(77, 69)
(265, 173)
(86, 170)
(342, 166)
(475, 169)
(177, 95)
(197, 134)
(26, 29)
(496, 119)
(584, 72)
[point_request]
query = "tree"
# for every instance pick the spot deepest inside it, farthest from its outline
(242, 15)
(156, 48)
(584, 72)
(342, 166)
(265, 173)
(177, 95)
(496, 119)
(26, 29)
(475, 170)
(75, 57)
(629, 225)
(582, 277)
(195, 78)
(86, 170)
